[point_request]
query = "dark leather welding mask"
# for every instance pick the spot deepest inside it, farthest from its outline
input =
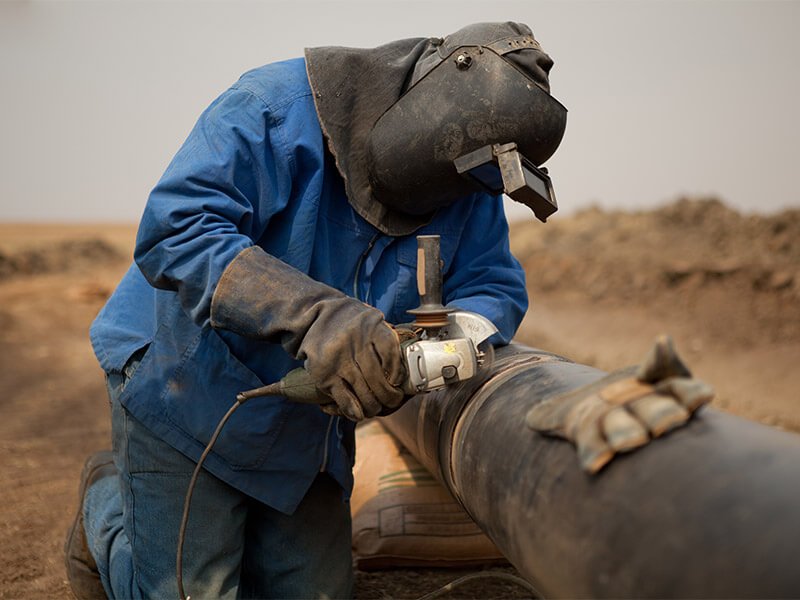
(396, 116)
(460, 99)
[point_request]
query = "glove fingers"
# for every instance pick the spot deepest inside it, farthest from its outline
(582, 426)
(347, 401)
(364, 395)
(593, 451)
(331, 409)
(659, 413)
(371, 364)
(691, 393)
(386, 346)
(623, 431)
(381, 390)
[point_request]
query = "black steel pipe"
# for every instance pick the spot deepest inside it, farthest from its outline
(709, 510)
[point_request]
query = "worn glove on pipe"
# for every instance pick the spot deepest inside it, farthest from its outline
(625, 409)
(349, 350)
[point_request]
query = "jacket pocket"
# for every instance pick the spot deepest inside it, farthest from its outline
(204, 387)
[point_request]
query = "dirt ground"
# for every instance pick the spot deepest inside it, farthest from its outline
(726, 286)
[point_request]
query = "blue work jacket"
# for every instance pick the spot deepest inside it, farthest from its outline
(255, 170)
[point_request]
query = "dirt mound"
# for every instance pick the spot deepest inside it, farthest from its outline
(64, 256)
(738, 274)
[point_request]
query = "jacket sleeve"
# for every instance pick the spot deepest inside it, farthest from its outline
(214, 200)
(484, 277)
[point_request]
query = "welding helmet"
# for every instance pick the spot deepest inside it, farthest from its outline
(483, 89)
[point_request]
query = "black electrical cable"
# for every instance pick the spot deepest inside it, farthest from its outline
(242, 397)
(482, 575)
(188, 500)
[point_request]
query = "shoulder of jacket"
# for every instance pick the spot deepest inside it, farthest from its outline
(277, 84)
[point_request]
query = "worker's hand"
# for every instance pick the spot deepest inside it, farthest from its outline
(354, 357)
(403, 333)
(351, 353)
(624, 410)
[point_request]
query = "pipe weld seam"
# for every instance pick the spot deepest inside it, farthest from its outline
(471, 408)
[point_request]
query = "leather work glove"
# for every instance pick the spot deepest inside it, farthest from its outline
(350, 351)
(403, 333)
(625, 409)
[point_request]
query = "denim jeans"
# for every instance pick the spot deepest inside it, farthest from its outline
(236, 547)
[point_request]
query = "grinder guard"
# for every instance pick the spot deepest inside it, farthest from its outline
(471, 99)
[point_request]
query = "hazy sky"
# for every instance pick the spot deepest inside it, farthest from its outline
(665, 98)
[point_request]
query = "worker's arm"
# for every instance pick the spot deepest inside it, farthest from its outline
(197, 235)
(484, 277)
(231, 175)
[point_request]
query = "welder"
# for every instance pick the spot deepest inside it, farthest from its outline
(283, 234)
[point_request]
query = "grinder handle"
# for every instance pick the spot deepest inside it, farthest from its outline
(299, 387)
(429, 272)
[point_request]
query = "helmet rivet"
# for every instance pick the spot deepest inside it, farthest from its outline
(463, 61)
